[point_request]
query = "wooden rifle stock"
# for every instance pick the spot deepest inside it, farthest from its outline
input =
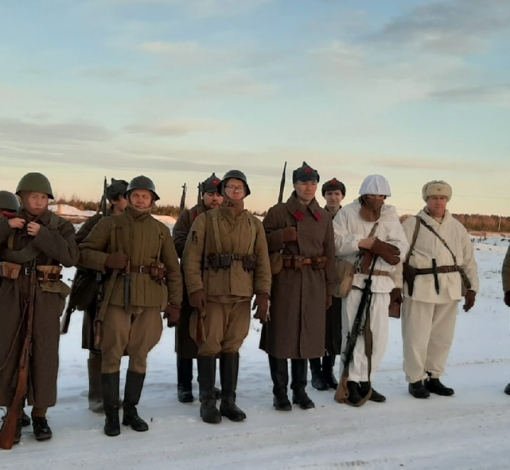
(8, 432)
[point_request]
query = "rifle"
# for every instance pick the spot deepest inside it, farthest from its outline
(282, 184)
(8, 432)
(199, 199)
(342, 392)
(98, 323)
(183, 198)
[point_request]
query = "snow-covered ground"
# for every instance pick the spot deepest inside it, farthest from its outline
(468, 431)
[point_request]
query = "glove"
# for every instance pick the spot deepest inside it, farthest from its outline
(172, 314)
(469, 300)
(387, 252)
(197, 300)
(289, 234)
(329, 301)
(116, 261)
(507, 298)
(395, 303)
(396, 296)
(261, 303)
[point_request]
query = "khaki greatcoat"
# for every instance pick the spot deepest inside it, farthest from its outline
(298, 297)
(56, 245)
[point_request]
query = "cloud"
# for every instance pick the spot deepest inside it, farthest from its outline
(176, 128)
(429, 164)
(116, 75)
(238, 84)
(496, 93)
(14, 130)
(456, 27)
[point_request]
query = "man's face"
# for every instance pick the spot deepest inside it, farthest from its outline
(141, 199)
(35, 203)
(334, 198)
(305, 190)
(235, 189)
(119, 205)
(374, 201)
(437, 205)
(212, 200)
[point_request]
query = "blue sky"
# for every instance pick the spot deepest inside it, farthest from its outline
(176, 89)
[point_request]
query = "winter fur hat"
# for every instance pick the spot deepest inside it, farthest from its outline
(437, 188)
(375, 184)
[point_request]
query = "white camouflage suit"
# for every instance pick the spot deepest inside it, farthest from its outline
(350, 229)
(428, 318)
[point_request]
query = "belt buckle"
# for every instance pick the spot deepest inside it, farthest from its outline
(140, 269)
(27, 271)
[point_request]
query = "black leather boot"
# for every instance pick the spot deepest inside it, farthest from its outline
(110, 385)
(375, 396)
(229, 369)
(95, 394)
(418, 390)
(298, 385)
(132, 393)
(207, 374)
(25, 419)
(328, 363)
(42, 431)
(435, 386)
(318, 381)
(184, 380)
(280, 376)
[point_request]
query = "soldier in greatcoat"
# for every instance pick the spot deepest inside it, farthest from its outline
(226, 262)
(444, 269)
(185, 346)
(300, 239)
(505, 275)
(115, 195)
(368, 234)
(35, 239)
(323, 377)
(138, 254)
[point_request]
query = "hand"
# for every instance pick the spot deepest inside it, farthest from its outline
(396, 296)
(469, 300)
(389, 253)
(366, 243)
(329, 301)
(507, 298)
(116, 261)
(197, 300)
(33, 228)
(17, 222)
(289, 234)
(261, 303)
(172, 314)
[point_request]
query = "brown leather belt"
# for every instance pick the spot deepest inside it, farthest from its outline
(40, 277)
(140, 269)
(376, 272)
(439, 269)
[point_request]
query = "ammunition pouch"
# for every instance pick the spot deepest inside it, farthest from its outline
(85, 289)
(47, 273)
(10, 270)
(345, 274)
(249, 262)
(217, 261)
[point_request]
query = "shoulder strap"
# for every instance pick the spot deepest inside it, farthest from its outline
(413, 240)
(253, 235)
(443, 241)
(216, 230)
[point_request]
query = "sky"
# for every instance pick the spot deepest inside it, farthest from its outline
(176, 89)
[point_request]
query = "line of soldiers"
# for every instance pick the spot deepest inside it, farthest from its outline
(306, 269)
